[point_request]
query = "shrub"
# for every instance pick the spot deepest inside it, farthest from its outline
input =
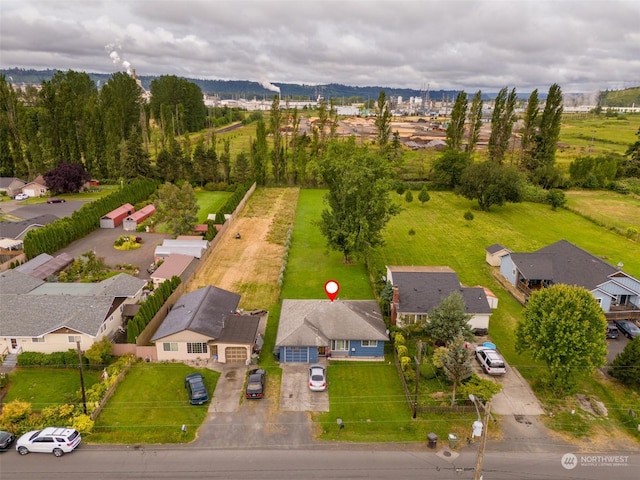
(468, 215)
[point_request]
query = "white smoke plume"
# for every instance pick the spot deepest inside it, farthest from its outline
(114, 50)
(269, 86)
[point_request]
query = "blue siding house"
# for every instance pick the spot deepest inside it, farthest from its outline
(347, 329)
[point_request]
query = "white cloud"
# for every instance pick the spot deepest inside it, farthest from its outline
(467, 44)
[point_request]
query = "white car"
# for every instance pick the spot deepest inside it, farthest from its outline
(21, 196)
(317, 378)
(56, 440)
(490, 360)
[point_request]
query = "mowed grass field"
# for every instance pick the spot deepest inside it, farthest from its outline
(609, 209)
(210, 202)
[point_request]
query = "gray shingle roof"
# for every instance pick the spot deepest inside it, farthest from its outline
(315, 322)
(14, 282)
(35, 315)
(564, 262)
(495, 248)
(203, 311)
(239, 329)
(122, 285)
(19, 229)
(421, 292)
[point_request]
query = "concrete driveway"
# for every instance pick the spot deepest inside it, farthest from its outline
(234, 422)
(295, 394)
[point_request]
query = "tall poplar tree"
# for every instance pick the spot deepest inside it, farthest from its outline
(502, 122)
(382, 121)
(475, 121)
(455, 129)
(530, 128)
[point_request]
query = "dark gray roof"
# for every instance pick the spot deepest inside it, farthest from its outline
(36, 315)
(203, 311)
(5, 182)
(239, 329)
(564, 262)
(315, 322)
(421, 292)
(14, 282)
(19, 229)
(495, 248)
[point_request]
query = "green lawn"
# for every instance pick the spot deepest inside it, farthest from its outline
(151, 405)
(45, 387)
(369, 398)
(210, 202)
(310, 264)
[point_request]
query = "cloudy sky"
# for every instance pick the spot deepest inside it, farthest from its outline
(584, 45)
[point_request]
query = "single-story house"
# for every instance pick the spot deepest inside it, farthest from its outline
(36, 188)
(206, 324)
(131, 222)
(11, 185)
(494, 253)
(342, 329)
(418, 290)
(18, 230)
(50, 317)
(173, 265)
(115, 217)
(617, 292)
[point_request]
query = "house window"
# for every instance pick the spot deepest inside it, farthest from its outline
(73, 338)
(369, 343)
(421, 317)
(170, 347)
(339, 345)
(196, 347)
(37, 340)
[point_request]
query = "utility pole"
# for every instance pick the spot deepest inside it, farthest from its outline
(483, 442)
(418, 360)
(84, 398)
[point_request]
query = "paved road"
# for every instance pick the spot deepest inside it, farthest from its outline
(345, 462)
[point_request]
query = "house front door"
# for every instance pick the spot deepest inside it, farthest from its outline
(14, 345)
(322, 351)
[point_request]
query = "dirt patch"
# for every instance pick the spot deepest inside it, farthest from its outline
(250, 265)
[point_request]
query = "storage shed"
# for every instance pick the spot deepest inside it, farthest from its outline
(131, 222)
(115, 218)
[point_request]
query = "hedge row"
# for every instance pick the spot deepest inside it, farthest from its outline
(150, 307)
(233, 201)
(68, 359)
(62, 232)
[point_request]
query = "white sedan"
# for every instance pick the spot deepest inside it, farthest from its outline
(21, 196)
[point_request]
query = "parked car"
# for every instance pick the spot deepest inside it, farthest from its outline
(612, 331)
(194, 383)
(255, 383)
(490, 360)
(55, 200)
(317, 378)
(21, 196)
(6, 439)
(56, 440)
(629, 328)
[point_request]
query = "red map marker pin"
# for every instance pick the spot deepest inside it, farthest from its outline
(331, 288)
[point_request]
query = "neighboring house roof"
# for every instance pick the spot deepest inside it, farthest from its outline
(6, 182)
(315, 322)
(36, 308)
(240, 329)
(203, 311)
(173, 265)
(421, 289)
(37, 315)
(14, 282)
(19, 229)
(34, 263)
(564, 262)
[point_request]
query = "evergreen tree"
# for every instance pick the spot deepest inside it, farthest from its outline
(382, 122)
(135, 158)
(502, 121)
(475, 122)
(530, 128)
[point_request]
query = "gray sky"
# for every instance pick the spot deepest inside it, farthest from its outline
(584, 45)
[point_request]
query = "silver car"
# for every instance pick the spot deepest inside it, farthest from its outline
(317, 378)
